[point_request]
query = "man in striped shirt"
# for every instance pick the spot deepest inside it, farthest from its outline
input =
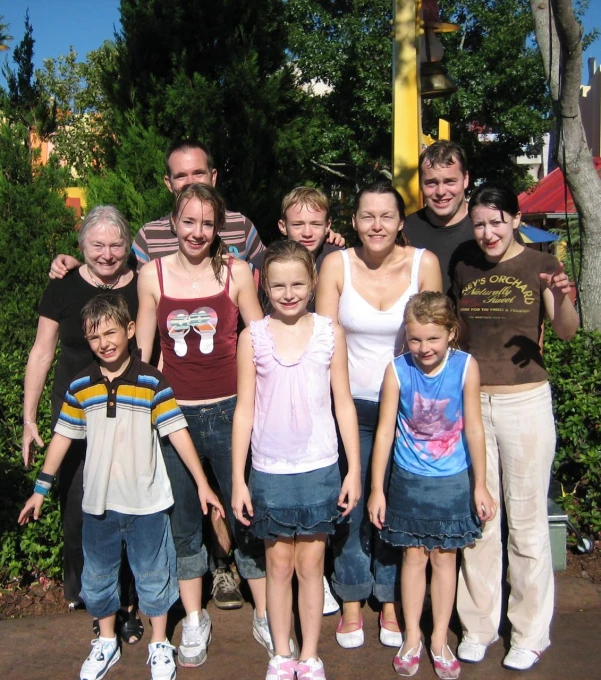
(188, 162)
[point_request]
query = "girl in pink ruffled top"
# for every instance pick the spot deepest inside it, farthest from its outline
(288, 365)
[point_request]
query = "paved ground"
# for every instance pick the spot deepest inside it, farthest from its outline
(53, 647)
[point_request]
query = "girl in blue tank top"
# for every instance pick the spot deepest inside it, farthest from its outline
(430, 417)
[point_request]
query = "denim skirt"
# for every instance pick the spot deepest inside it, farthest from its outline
(301, 504)
(431, 512)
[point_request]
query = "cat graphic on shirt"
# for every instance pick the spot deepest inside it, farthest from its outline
(429, 423)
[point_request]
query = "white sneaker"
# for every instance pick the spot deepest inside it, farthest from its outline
(105, 653)
(281, 668)
(472, 652)
(162, 663)
(330, 604)
(262, 635)
(311, 669)
(520, 659)
(196, 635)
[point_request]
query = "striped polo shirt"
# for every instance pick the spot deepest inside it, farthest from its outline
(122, 419)
(157, 239)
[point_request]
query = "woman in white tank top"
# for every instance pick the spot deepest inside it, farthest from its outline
(365, 289)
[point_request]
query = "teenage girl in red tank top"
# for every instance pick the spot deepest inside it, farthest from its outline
(195, 297)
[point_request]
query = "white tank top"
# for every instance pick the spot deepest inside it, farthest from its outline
(373, 337)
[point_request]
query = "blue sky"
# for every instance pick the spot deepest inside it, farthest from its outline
(58, 24)
(592, 19)
(85, 24)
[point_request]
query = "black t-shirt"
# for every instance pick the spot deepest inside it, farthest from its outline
(447, 243)
(256, 263)
(62, 302)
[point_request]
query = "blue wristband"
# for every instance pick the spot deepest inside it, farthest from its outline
(41, 487)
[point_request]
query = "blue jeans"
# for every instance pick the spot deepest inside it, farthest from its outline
(356, 543)
(210, 427)
(151, 555)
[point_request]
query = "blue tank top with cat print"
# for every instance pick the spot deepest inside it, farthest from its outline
(430, 439)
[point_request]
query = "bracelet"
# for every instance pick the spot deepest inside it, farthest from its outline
(41, 488)
(43, 483)
(29, 422)
(45, 477)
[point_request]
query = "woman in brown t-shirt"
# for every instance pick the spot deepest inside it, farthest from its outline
(504, 291)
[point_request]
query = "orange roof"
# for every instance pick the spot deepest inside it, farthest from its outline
(548, 197)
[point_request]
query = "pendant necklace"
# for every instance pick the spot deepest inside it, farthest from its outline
(187, 273)
(103, 286)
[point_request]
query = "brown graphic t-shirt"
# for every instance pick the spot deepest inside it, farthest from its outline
(502, 306)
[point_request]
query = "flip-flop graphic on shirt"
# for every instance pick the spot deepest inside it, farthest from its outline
(204, 322)
(178, 326)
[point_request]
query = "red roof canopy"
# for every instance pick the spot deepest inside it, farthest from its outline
(548, 197)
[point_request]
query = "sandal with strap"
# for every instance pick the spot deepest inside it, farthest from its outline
(407, 664)
(446, 667)
(131, 627)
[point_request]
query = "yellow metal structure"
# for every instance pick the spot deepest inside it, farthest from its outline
(406, 107)
(444, 129)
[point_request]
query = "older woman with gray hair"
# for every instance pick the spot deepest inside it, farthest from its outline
(105, 241)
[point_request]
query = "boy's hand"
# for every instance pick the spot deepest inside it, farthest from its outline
(335, 239)
(208, 497)
(241, 503)
(485, 505)
(32, 507)
(61, 266)
(30, 435)
(376, 508)
(351, 491)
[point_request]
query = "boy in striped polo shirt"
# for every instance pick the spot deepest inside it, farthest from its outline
(122, 406)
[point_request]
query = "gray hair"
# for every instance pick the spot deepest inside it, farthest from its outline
(109, 216)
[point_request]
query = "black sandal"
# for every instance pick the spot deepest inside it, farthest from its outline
(131, 626)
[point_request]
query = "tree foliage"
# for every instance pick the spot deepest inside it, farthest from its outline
(36, 225)
(343, 50)
(23, 101)
(134, 182)
(5, 38)
(216, 71)
(84, 136)
(502, 90)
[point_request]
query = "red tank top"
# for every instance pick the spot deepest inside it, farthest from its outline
(198, 342)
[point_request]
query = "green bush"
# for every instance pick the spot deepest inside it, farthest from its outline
(35, 226)
(575, 374)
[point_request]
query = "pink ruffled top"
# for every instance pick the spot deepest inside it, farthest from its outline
(293, 429)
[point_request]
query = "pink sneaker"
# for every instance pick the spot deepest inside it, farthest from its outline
(446, 666)
(311, 669)
(407, 664)
(281, 668)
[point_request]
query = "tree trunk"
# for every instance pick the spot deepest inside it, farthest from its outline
(559, 36)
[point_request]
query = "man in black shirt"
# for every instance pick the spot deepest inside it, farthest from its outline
(443, 225)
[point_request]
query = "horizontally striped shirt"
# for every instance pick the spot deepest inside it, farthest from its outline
(122, 420)
(157, 239)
